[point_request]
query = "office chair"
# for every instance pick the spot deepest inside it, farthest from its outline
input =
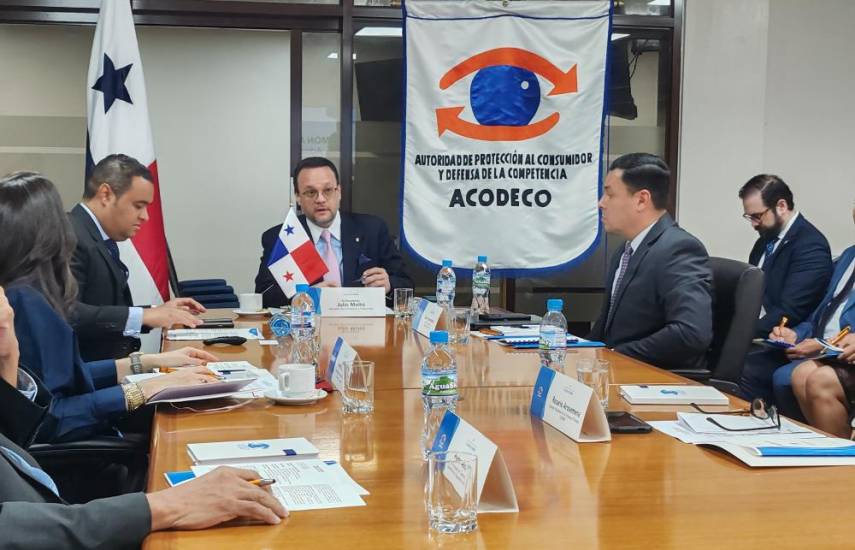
(98, 467)
(737, 297)
(211, 293)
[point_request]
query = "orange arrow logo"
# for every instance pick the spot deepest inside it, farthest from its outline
(449, 119)
(563, 82)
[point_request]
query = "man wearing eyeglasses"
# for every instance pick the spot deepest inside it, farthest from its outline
(793, 254)
(357, 248)
(796, 263)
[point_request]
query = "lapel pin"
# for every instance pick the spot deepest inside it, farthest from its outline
(357, 239)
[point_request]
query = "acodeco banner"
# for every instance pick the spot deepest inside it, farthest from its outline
(503, 131)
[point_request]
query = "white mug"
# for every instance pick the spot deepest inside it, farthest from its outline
(296, 380)
(250, 302)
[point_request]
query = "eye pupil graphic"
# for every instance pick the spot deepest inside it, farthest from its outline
(503, 95)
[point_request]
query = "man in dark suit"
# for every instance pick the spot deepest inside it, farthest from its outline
(113, 209)
(658, 302)
(793, 254)
(356, 248)
(34, 515)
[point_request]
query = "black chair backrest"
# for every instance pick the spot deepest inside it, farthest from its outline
(737, 298)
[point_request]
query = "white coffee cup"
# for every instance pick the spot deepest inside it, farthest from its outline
(296, 380)
(250, 302)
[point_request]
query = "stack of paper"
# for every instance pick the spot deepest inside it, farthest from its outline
(528, 337)
(205, 333)
(305, 484)
(673, 395)
(758, 445)
(259, 450)
(239, 379)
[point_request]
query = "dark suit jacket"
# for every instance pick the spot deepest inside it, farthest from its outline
(86, 400)
(808, 328)
(663, 312)
(796, 275)
(365, 243)
(103, 297)
(32, 516)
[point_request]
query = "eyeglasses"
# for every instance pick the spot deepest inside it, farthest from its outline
(312, 194)
(758, 409)
(755, 217)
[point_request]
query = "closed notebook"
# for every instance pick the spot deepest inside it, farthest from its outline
(255, 450)
(672, 395)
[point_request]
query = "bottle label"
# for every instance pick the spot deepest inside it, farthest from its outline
(444, 290)
(552, 339)
(481, 283)
(439, 384)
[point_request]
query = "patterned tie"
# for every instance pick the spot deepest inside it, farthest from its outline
(330, 259)
(770, 249)
(113, 248)
(624, 263)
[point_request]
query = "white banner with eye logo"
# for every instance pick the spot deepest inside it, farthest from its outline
(503, 131)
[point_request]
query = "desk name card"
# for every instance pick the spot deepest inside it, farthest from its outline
(569, 406)
(353, 302)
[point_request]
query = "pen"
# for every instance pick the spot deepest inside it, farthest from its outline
(264, 482)
(840, 335)
(783, 322)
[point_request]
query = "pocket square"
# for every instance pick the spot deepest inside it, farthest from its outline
(363, 260)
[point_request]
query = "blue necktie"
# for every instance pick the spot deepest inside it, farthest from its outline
(624, 263)
(770, 249)
(113, 248)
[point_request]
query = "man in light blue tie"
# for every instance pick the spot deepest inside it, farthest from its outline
(33, 515)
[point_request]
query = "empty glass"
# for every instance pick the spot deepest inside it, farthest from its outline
(595, 374)
(358, 394)
(451, 494)
(459, 319)
(403, 299)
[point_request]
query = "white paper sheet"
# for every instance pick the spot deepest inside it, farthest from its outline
(304, 484)
(205, 333)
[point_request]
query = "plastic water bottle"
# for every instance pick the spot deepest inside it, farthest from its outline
(446, 282)
(303, 327)
(481, 286)
(553, 336)
(439, 385)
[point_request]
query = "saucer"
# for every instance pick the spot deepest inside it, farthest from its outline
(241, 312)
(280, 399)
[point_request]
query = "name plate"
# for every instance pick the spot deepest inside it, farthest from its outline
(341, 353)
(426, 317)
(495, 491)
(569, 406)
(353, 302)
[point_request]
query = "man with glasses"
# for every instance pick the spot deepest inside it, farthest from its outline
(357, 248)
(793, 254)
(796, 263)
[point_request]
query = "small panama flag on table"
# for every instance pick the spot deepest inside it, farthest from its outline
(294, 259)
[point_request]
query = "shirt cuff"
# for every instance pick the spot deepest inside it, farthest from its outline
(134, 325)
(26, 385)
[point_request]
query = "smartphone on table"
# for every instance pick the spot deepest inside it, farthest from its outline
(622, 422)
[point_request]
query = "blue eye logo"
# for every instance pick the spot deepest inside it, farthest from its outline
(252, 445)
(505, 95)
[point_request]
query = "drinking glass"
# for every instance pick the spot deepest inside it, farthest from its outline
(358, 394)
(403, 298)
(451, 493)
(459, 319)
(595, 374)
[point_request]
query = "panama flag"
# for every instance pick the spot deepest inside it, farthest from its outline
(294, 259)
(117, 122)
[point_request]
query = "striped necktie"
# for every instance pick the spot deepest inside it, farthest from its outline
(624, 263)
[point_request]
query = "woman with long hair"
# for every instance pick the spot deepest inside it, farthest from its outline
(36, 244)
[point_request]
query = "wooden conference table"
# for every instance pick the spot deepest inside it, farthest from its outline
(648, 491)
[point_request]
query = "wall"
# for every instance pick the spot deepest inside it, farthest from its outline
(765, 89)
(219, 106)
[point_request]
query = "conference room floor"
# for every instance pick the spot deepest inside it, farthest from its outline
(646, 490)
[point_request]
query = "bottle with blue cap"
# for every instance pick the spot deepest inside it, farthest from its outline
(481, 286)
(553, 336)
(303, 326)
(439, 385)
(446, 282)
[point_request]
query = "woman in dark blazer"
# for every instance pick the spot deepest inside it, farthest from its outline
(36, 243)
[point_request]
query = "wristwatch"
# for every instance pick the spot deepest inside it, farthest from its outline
(136, 362)
(134, 396)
